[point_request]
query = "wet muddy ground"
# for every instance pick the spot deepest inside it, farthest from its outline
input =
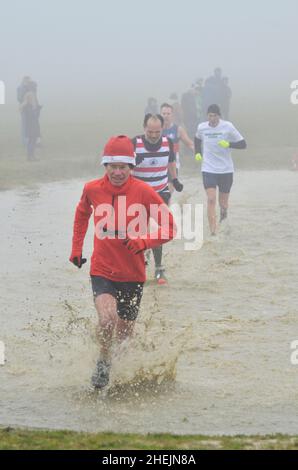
(211, 353)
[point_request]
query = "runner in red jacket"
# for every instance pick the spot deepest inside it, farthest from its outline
(121, 206)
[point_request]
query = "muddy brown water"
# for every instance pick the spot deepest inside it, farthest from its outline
(211, 353)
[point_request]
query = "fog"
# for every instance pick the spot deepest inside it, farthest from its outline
(97, 63)
(83, 48)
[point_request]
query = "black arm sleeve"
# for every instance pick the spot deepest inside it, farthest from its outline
(198, 145)
(172, 156)
(134, 142)
(238, 145)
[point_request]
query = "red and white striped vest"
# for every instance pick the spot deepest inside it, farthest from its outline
(154, 168)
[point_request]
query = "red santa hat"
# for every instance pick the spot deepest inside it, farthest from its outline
(119, 149)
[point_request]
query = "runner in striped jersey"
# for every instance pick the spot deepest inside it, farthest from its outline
(155, 157)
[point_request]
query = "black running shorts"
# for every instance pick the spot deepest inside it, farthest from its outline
(127, 294)
(224, 181)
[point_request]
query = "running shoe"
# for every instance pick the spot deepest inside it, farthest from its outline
(101, 375)
(160, 276)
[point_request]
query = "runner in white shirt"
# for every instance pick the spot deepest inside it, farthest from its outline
(216, 137)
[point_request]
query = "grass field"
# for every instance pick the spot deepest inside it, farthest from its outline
(15, 171)
(66, 440)
(72, 145)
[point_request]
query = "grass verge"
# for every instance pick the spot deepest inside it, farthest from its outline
(26, 439)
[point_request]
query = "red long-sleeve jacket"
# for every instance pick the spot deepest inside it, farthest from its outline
(115, 218)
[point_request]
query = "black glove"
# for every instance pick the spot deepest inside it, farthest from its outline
(177, 185)
(135, 246)
(79, 261)
(139, 159)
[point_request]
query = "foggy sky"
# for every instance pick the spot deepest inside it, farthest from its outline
(82, 49)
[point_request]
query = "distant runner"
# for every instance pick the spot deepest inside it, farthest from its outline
(175, 133)
(216, 137)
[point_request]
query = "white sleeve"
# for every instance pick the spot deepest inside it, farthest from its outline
(234, 134)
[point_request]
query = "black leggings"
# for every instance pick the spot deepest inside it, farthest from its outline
(157, 252)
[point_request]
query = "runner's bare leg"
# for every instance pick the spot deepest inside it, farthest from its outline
(106, 307)
(211, 209)
(223, 200)
(124, 329)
